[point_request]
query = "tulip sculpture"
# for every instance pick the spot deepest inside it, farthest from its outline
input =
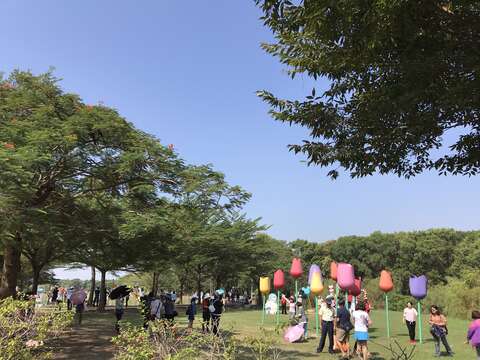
(345, 278)
(296, 271)
(386, 285)
(316, 287)
(278, 283)
(418, 289)
(264, 289)
(333, 276)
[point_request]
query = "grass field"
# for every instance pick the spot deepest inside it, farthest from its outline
(247, 323)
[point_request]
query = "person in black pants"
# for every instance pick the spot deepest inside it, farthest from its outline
(328, 315)
(217, 313)
(410, 319)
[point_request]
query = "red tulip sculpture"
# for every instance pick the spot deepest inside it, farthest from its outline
(278, 283)
(386, 285)
(296, 271)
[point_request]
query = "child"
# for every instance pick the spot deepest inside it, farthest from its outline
(473, 335)
(302, 317)
(291, 308)
(206, 313)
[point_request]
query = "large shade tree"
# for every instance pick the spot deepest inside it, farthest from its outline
(403, 82)
(53, 146)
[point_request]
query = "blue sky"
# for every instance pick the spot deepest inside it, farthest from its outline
(187, 72)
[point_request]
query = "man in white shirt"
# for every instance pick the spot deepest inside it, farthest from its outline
(327, 314)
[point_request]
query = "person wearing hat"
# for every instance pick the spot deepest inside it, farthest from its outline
(327, 314)
(291, 307)
(217, 305)
(206, 313)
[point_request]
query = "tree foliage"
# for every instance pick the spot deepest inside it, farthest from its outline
(403, 76)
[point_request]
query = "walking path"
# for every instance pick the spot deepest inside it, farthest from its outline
(92, 339)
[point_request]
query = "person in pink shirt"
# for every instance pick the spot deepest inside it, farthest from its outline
(410, 319)
(473, 335)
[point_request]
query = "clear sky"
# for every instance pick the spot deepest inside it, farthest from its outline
(187, 71)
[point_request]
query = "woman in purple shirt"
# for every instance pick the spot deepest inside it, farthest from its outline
(473, 335)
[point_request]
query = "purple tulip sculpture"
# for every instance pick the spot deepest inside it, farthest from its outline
(418, 289)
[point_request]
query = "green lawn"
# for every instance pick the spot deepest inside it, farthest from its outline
(248, 323)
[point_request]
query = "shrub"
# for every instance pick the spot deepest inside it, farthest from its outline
(23, 331)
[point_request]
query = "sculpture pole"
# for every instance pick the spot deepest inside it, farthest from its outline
(419, 306)
(386, 314)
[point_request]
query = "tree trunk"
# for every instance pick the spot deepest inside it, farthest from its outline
(92, 287)
(11, 267)
(156, 277)
(36, 269)
(103, 291)
(199, 281)
(181, 292)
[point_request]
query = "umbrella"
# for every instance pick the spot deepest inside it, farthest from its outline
(78, 297)
(294, 333)
(119, 291)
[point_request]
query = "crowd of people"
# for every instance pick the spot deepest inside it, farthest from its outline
(339, 318)
(163, 307)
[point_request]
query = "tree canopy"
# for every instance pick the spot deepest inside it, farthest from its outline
(403, 80)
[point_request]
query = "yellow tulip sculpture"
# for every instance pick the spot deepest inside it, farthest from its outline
(264, 289)
(316, 288)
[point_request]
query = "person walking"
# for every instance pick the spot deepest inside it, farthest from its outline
(217, 312)
(119, 309)
(343, 328)
(157, 309)
(96, 296)
(327, 315)
(79, 309)
(191, 312)
(69, 298)
(206, 313)
(439, 331)
(410, 319)
(284, 304)
(301, 317)
(473, 334)
(54, 295)
(170, 311)
(362, 322)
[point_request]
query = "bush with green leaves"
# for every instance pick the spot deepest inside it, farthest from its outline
(24, 329)
(163, 341)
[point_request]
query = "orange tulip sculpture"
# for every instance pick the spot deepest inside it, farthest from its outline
(386, 285)
(264, 287)
(333, 276)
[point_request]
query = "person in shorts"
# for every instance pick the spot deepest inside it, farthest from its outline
(362, 322)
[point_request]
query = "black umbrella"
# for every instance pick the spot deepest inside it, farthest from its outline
(119, 291)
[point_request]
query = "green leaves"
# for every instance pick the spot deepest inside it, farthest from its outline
(401, 76)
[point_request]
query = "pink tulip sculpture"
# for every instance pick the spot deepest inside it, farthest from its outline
(345, 278)
(296, 271)
(418, 289)
(386, 285)
(278, 283)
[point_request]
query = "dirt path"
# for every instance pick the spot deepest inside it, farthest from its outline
(92, 339)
